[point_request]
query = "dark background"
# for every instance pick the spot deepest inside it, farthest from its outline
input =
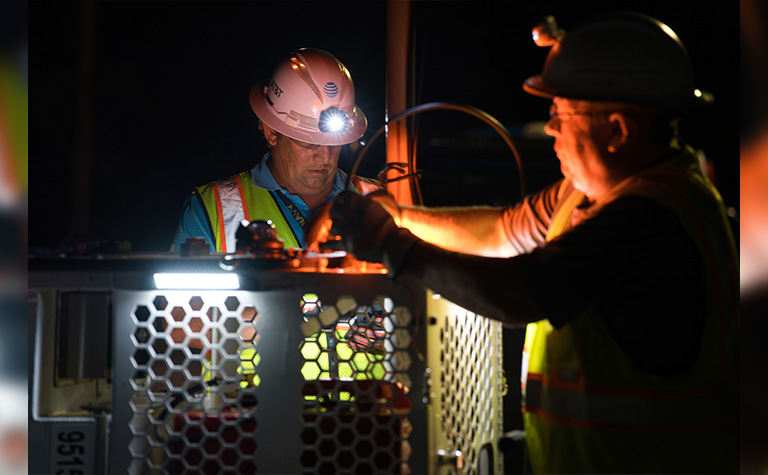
(134, 103)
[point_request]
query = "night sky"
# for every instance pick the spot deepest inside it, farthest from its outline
(134, 103)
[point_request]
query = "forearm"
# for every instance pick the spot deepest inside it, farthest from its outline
(483, 230)
(470, 230)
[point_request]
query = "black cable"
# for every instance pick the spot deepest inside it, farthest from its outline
(472, 110)
(400, 167)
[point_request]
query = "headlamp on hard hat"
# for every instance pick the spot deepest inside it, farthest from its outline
(547, 33)
(333, 119)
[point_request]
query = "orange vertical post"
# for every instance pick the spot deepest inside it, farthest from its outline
(398, 34)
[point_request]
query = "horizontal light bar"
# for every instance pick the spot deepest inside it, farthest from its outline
(196, 281)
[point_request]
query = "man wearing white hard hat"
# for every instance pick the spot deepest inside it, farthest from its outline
(307, 112)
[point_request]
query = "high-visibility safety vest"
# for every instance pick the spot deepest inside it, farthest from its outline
(588, 409)
(228, 202)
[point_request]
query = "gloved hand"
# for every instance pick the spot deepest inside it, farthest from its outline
(368, 231)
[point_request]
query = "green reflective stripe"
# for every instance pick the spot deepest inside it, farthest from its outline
(640, 412)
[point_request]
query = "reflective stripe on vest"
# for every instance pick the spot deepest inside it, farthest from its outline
(588, 409)
(629, 410)
(561, 218)
(228, 202)
(561, 394)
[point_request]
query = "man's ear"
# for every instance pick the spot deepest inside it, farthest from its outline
(622, 126)
(270, 134)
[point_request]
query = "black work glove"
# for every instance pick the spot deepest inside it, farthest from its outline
(368, 231)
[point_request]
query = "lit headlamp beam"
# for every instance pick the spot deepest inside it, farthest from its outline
(335, 124)
(333, 120)
(196, 281)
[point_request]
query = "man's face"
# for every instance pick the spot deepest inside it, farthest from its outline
(581, 130)
(303, 168)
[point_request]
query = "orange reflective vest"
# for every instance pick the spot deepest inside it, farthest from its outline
(588, 409)
(228, 202)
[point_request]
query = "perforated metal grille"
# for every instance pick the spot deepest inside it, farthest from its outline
(197, 365)
(356, 387)
(470, 401)
(194, 365)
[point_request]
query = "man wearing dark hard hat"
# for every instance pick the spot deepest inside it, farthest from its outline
(624, 271)
(307, 111)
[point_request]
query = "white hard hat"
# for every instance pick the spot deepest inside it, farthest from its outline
(311, 98)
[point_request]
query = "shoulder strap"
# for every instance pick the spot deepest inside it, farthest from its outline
(261, 205)
(568, 199)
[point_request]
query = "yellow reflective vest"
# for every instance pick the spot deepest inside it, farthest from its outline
(228, 202)
(233, 199)
(588, 409)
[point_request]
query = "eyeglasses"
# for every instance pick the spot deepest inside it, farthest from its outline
(553, 112)
(307, 145)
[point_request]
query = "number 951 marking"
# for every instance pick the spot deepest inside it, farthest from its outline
(70, 449)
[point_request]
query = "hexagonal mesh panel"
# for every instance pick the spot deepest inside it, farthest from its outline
(194, 365)
(469, 384)
(295, 372)
(195, 378)
(356, 405)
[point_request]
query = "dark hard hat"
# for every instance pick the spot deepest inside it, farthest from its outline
(621, 57)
